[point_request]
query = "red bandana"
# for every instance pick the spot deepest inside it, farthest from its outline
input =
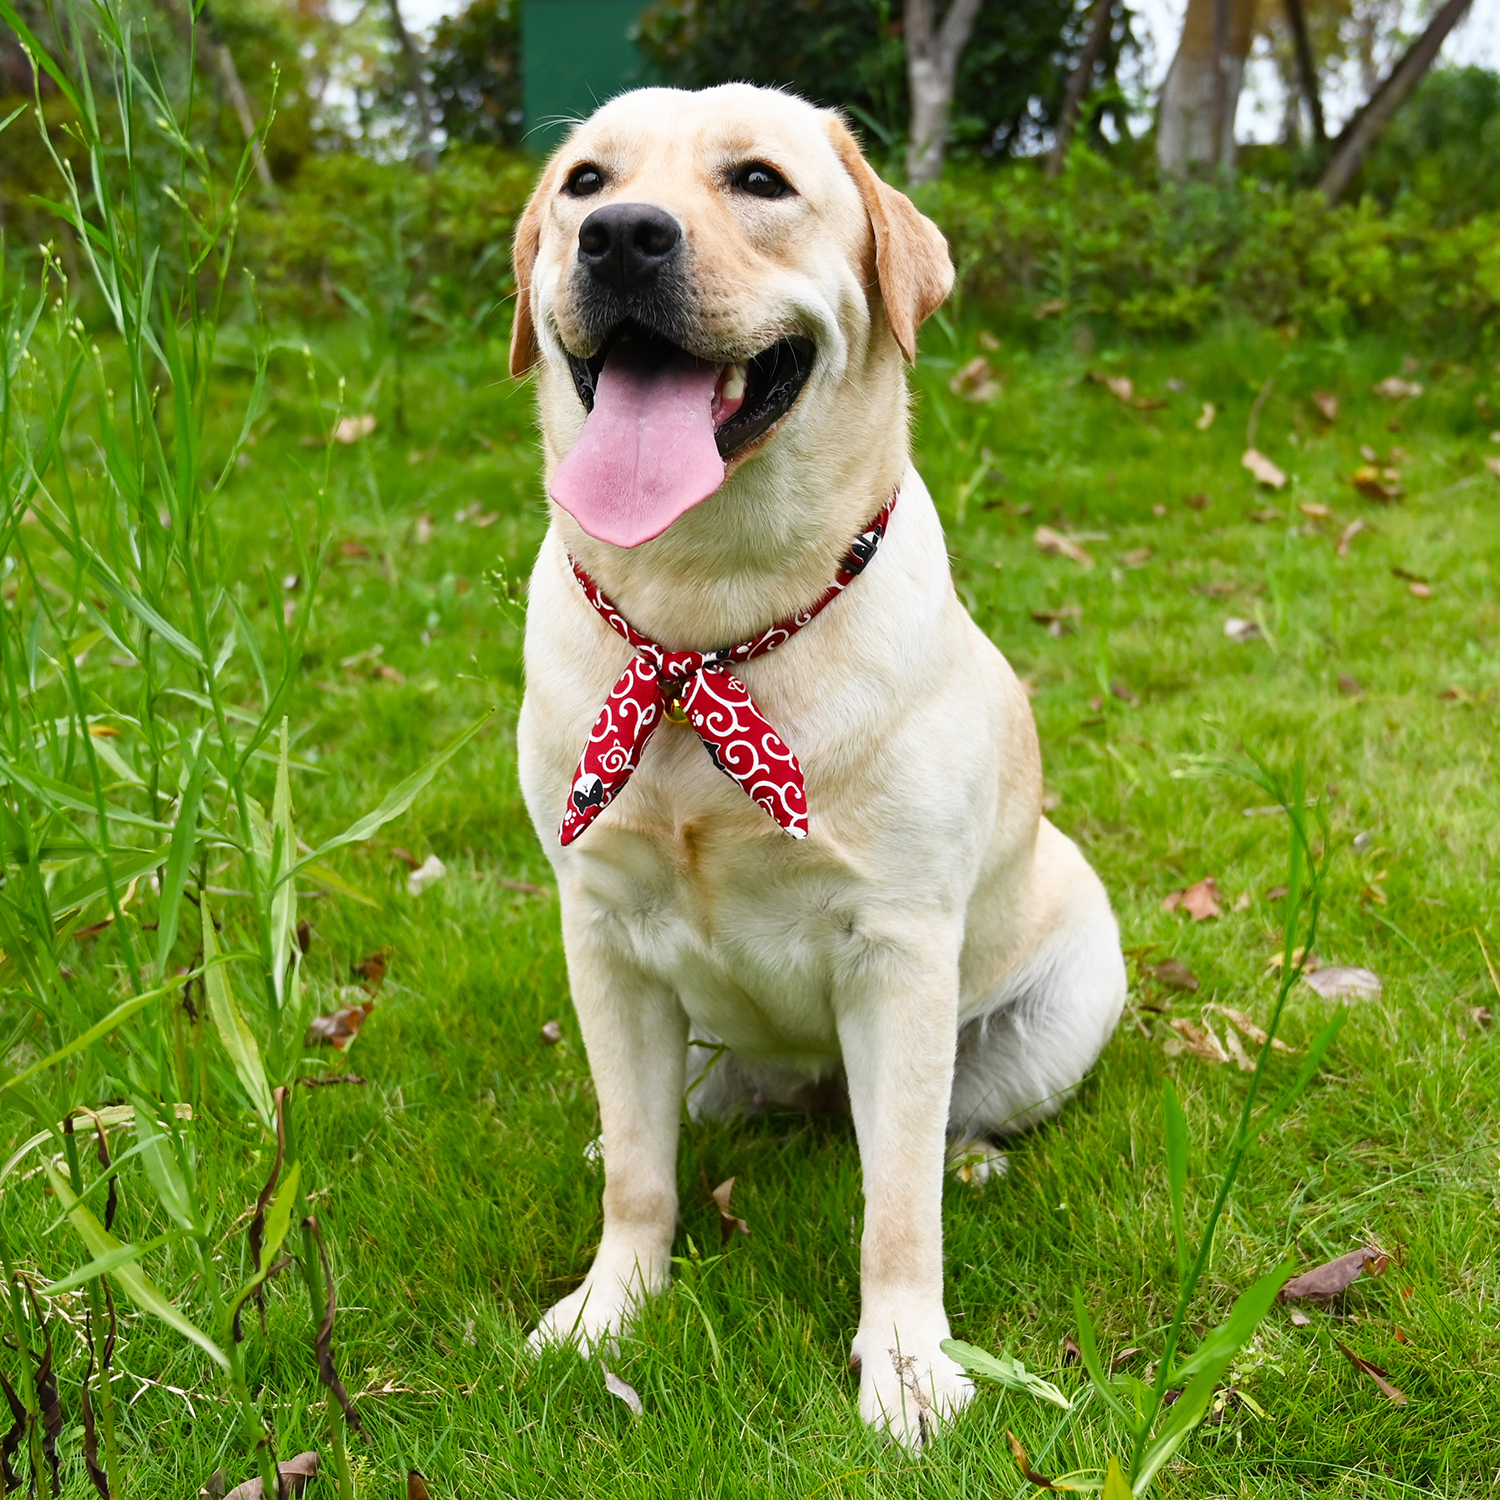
(697, 687)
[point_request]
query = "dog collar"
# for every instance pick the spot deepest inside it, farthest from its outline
(698, 688)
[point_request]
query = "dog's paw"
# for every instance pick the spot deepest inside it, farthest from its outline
(907, 1386)
(591, 1317)
(976, 1161)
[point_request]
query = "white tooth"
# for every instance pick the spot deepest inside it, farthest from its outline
(734, 383)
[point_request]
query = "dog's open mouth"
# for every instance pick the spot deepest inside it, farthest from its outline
(661, 423)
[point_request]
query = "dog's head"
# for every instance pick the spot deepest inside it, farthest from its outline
(706, 278)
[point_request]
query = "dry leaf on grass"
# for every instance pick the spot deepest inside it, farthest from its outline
(1123, 1358)
(1241, 630)
(1371, 482)
(1121, 387)
(1349, 686)
(1030, 1475)
(429, 872)
(617, 1387)
(294, 1474)
(416, 1485)
(1299, 1319)
(426, 529)
(1059, 622)
(1327, 404)
(1055, 544)
(1334, 1276)
(1493, 465)
(551, 1033)
(1200, 901)
(1071, 1354)
(1194, 1039)
(1247, 1027)
(1137, 557)
(1266, 514)
(1394, 388)
(1315, 510)
(1379, 1376)
(1176, 975)
(353, 549)
(1339, 983)
(371, 971)
(1050, 308)
(352, 429)
(339, 1027)
(1206, 417)
(1347, 535)
(728, 1224)
(1196, 502)
(976, 381)
(987, 340)
(1264, 470)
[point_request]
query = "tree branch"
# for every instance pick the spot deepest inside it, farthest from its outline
(1081, 82)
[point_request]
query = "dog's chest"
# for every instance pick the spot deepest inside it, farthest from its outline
(748, 928)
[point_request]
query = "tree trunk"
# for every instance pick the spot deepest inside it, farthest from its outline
(416, 81)
(240, 101)
(1361, 133)
(1081, 82)
(932, 54)
(1195, 119)
(1307, 70)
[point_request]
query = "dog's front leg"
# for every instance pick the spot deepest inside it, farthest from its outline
(635, 1032)
(898, 1031)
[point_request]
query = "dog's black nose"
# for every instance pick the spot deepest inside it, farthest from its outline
(624, 245)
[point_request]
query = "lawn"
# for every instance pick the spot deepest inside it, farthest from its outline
(454, 1183)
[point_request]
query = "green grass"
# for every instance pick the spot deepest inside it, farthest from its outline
(454, 1187)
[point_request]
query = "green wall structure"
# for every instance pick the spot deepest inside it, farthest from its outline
(575, 54)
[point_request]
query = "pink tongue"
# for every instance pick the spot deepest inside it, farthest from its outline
(647, 452)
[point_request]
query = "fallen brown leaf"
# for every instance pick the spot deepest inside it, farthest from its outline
(1236, 1049)
(1379, 1376)
(353, 549)
(426, 528)
(1121, 387)
(987, 340)
(1055, 544)
(214, 1486)
(1176, 975)
(339, 1027)
(1493, 465)
(1350, 686)
(1266, 514)
(1121, 691)
(352, 429)
(1334, 1276)
(551, 1034)
(1241, 630)
(1394, 388)
(1050, 308)
(1195, 1039)
(1137, 557)
(1071, 1354)
(416, 1486)
(406, 857)
(1339, 983)
(1244, 901)
(1218, 588)
(1244, 1024)
(293, 1474)
(617, 1387)
(1196, 502)
(1205, 418)
(371, 971)
(975, 381)
(1265, 471)
(1327, 404)
(1370, 482)
(1482, 1016)
(1200, 901)
(1123, 1358)
(728, 1224)
(1347, 535)
(1299, 1319)
(1024, 1464)
(1315, 509)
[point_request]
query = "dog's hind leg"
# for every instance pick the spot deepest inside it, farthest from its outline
(1025, 1054)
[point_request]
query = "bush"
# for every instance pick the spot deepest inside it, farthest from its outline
(1172, 258)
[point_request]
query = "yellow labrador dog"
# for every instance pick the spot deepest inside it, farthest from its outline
(792, 795)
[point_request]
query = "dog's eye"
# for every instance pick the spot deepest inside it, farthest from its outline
(585, 180)
(761, 181)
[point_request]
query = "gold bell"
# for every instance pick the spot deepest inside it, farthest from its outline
(675, 711)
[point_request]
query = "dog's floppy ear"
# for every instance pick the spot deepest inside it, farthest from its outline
(524, 349)
(911, 255)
